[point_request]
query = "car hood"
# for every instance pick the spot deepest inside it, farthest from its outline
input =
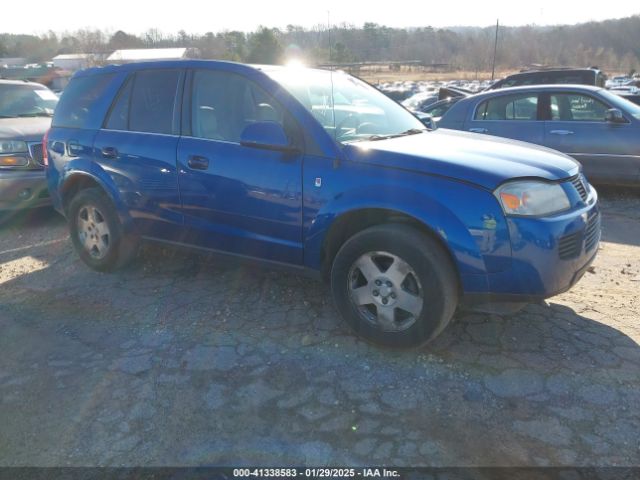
(481, 159)
(29, 129)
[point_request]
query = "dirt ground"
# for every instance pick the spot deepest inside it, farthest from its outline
(381, 75)
(182, 361)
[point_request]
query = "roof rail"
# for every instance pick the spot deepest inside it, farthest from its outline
(543, 68)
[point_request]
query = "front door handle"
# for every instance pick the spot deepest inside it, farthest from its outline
(478, 130)
(197, 162)
(561, 132)
(109, 152)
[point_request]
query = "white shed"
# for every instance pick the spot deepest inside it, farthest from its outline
(148, 54)
(75, 61)
(12, 62)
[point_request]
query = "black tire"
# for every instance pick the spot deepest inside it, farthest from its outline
(431, 277)
(111, 250)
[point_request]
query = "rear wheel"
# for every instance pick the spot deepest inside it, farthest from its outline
(96, 232)
(394, 285)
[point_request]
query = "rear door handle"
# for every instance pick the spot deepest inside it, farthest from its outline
(109, 152)
(74, 148)
(197, 162)
(478, 130)
(561, 132)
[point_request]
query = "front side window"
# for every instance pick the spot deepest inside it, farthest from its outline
(571, 107)
(348, 108)
(621, 103)
(153, 97)
(224, 103)
(509, 107)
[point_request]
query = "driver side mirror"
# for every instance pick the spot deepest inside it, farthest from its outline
(614, 115)
(267, 136)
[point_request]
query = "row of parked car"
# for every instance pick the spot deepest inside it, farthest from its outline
(568, 110)
(589, 123)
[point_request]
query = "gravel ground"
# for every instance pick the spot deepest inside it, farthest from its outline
(181, 361)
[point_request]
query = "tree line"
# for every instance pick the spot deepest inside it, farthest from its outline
(611, 44)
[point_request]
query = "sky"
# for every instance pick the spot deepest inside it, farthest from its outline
(193, 16)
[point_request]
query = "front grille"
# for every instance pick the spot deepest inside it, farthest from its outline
(570, 246)
(36, 153)
(579, 184)
(592, 232)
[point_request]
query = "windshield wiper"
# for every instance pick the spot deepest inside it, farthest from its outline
(38, 114)
(411, 131)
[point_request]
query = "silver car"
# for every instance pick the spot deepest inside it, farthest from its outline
(596, 127)
(25, 116)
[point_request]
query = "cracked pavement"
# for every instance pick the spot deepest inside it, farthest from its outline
(182, 361)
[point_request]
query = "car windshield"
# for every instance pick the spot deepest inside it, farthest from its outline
(348, 108)
(26, 101)
(622, 103)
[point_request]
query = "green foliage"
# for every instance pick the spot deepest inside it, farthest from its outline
(122, 40)
(264, 47)
(341, 54)
(613, 45)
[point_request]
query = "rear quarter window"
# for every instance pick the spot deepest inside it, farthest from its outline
(79, 101)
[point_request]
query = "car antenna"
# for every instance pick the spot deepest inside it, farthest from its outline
(495, 51)
(336, 161)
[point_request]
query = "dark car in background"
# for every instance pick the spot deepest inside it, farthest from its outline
(596, 127)
(26, 109)
(634, 98)
(553, 76)
(439, 108)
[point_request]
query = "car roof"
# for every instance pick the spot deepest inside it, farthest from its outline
(554, 70)
(159, 64)
(559, 87)
(21, 82)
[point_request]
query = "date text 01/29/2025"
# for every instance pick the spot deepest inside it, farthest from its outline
(315, 473)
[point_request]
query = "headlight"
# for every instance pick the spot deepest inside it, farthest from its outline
(529, 197)
(13, 161)
(13, 146)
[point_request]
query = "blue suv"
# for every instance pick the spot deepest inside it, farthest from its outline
(319, 172)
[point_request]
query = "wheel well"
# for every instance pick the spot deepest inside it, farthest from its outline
(74, 185)
(351, 223)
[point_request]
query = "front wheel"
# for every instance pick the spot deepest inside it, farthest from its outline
(394, 285)
(96, 232)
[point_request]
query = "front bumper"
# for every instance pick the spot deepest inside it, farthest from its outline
(549, 256)
(23, 189)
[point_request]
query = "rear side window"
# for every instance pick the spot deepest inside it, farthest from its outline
(119, 115)
(572, 78)
(153, 98)
(509, 107)
(79, 100)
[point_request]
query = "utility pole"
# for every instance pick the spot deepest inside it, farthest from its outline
(495, 49)
(329, 32)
